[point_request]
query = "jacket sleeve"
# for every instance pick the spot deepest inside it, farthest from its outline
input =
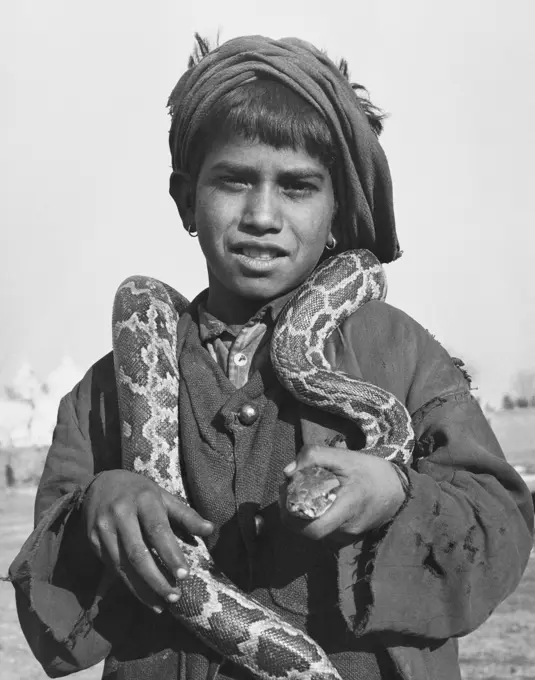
(59, 583)
(460, 544)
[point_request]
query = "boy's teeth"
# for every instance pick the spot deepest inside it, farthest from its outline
(258, 253)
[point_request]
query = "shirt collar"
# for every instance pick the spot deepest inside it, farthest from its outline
(211, 327)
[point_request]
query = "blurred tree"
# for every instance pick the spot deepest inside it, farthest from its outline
(508, 402)
(26, 386)
(524, 386)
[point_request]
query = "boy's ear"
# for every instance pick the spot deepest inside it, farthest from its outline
(182, 192)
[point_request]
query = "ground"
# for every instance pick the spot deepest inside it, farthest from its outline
(502, 649)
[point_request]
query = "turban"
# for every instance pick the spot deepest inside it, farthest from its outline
(362, 179)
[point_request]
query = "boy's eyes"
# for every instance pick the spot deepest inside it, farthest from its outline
(298, 187)
(235, 181)
(289, 186)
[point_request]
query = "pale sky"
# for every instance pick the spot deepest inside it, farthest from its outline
(84, 162)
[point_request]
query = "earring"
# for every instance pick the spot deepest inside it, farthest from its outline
(331, 243)
(191, 230)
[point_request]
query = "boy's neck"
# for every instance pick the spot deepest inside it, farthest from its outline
(233, 310)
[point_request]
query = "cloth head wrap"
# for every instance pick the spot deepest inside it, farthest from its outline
(363, 186)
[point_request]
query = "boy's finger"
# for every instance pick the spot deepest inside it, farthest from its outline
(114, 555)
(185, 518)
(137, 563)
(336, 460)
(159, 535)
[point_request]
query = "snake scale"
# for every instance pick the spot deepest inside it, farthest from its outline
(145, 318)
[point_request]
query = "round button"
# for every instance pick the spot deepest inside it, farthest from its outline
(258, 524)
(240, 359)
(248, 414)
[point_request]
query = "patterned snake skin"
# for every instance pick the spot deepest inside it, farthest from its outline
(337, 289)
(145, 317)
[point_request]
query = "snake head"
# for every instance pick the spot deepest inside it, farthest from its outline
(311, 492)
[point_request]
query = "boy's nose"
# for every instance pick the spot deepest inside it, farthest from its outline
(262, 211)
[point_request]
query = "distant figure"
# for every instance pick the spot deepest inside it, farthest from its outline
(10, 475)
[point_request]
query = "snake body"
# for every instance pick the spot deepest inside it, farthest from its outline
(335, 291)
(145, 318)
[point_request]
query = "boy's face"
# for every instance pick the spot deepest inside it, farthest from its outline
(263, 216)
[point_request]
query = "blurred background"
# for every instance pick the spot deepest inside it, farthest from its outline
(83, 201)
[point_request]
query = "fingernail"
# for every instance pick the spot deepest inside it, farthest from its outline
(157, 609)
(173, 597)
(290, 468)
(181, 572)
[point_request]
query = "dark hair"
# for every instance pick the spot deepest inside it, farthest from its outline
(270, 112)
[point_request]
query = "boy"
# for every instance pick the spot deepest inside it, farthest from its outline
(276, 165)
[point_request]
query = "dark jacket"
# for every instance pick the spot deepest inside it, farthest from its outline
(454, 552)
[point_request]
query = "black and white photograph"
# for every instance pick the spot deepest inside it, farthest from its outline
(267, 357)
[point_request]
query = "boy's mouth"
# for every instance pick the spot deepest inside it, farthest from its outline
(265, 252)
(258, 253)
(259, 259)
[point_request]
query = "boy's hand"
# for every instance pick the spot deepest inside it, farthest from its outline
(127, 516)
(369, 495)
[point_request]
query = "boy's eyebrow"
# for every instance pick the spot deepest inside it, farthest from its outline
(303, 173)
(294, 173)
(231, 167)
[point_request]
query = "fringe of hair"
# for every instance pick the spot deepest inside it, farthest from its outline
(373, 113)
